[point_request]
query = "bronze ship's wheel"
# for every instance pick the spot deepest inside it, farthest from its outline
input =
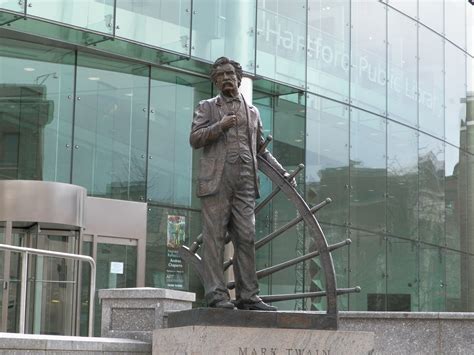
(306, 214)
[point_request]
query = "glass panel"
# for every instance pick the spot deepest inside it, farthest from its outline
(316, 281)
(52, 287)
(456, 193)
(13, 316)
(168, 229)
(13, 5)
(328, 48)
(224, 28)
(432, 290)
(288, 148)
(431, 14)
(2, 277)
(367, 270)
(470, 29)
(368, 56)
(111, 128)
(281, 40)
(263, 220)
(455, 92)
(455, 21)
(467, 263)
(402, 181)
(35, 111)
(327, 158)
(170, 167)
(431, 82)
(431, 190)
(402, 69)
(454, 294)
(368, 171)
(402, 282)
(409, 7)
(161, 23)
(91, 14)
(107, 278)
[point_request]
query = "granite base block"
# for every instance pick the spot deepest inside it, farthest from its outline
(255, 319)
(203, 340)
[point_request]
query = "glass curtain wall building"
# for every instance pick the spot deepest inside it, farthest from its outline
(375, 97)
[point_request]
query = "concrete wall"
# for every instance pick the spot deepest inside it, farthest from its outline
(410, 333)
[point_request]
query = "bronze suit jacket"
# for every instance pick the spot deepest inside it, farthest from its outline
(207, 134)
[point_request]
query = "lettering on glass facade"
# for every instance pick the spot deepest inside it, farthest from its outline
(285, 37)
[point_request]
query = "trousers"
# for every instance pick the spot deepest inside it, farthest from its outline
(231, 210)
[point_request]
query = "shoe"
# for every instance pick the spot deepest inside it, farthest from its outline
(257, 306)
(223, 304)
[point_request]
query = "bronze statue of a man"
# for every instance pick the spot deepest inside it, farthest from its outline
(230, 132)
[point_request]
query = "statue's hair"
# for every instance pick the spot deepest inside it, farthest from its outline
(222, 61)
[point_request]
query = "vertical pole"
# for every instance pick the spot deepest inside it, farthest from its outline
(24, 282)
(92, 299)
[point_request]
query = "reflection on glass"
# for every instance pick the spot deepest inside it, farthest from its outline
(172, 100)
(37, 84)
(455, 21)
(368, 56)
(431, 14)
(455, 297)
(431, 190)
(327, 158)
(402, 181)
(225, 28)
(456, 196)
(161, 23)
(340, 258)
(288, 148)
(402, 282)
(13, 5)
(91, 14)
(111, 126)
(368, 270)
(402, 69)
(107, 254)
(432, 282)
(431, 82)
(455, 94)
(281, 40)
(409, 7)
(368, 171)
(328, 48)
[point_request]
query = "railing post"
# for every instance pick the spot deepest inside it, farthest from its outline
(24, 284)
(92, 298)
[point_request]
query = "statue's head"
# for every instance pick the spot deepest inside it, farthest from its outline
(226, 75)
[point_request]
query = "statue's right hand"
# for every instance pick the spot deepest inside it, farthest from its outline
(229, 120)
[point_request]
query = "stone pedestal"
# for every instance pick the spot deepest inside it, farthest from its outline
(134, 313)
(204, 340)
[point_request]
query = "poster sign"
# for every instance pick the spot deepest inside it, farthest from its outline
(116, 267)
(176, 235)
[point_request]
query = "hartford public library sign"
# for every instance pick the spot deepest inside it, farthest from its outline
(329, 64)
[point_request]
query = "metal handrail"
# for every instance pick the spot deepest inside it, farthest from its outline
(24, 274)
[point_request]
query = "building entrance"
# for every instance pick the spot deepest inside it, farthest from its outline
(57, 297)
(52, 282)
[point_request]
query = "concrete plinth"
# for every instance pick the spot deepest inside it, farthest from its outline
(133, 313)
(35, 344)
(202, 340)
(254, 319)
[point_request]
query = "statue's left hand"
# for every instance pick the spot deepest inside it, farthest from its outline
(292, 181)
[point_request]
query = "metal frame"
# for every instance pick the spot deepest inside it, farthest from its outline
(24, 276)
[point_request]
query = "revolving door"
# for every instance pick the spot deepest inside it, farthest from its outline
(57, 217)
